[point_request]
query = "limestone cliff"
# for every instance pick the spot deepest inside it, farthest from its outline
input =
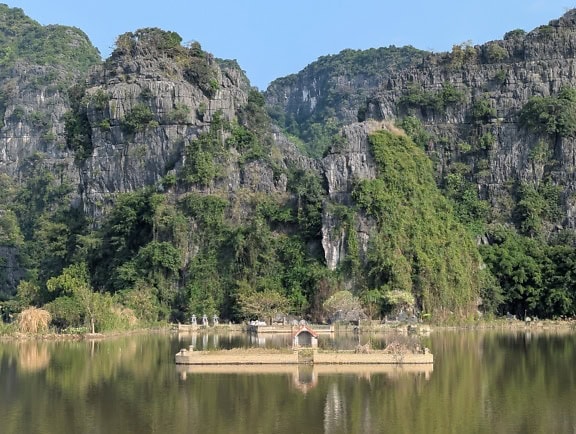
(179, 107)
(32, 119)
(147, 116)
(135, 121)
(342, 167)
(145, 106)
(469, 102)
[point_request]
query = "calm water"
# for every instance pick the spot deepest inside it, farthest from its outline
(481, 382)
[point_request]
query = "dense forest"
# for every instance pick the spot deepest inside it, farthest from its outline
(126, 209)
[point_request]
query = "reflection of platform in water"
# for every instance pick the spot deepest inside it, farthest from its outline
(305, 377)
(360, 370)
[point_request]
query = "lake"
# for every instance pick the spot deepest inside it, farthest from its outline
(481, 382)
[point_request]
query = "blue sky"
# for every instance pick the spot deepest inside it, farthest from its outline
(272, 39)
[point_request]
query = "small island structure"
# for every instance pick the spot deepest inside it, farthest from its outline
(305, 351)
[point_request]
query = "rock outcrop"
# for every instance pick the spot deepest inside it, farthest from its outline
(138, 113)
(499, 77)
(344, 166)
(32, 120)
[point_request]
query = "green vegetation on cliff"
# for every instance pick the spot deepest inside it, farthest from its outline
(234, 223)
(551, 115)
(23, 39)
(167, 256)
(419, 245)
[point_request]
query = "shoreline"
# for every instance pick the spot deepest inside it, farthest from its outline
(51, 336)
(363, 328)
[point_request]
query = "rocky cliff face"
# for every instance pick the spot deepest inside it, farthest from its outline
(336, 86)
(145, 105)
(342, 168)
(480, 125)
(125, 159)
(138, 113)
(38, 64)
(32, 120)
(504, 75)
(130, 123)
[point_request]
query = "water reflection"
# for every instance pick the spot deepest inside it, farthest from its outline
(305, 376)
(481, 382)
(33, 356)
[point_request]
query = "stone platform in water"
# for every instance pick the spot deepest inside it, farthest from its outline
(299, 356)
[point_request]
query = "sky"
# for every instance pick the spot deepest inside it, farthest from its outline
(271, 39)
